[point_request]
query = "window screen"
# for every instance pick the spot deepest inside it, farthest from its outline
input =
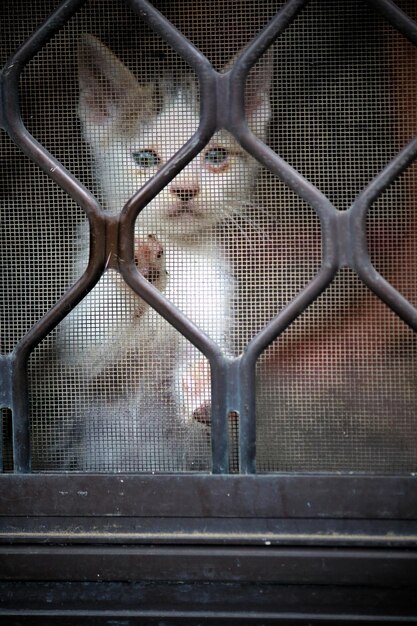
(228, 241)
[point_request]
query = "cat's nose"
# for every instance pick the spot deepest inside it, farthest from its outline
(184, 193)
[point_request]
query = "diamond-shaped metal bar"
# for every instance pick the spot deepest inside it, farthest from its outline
(343, 233)
(343, 238)
(11, 121)
(231, 390)
(361, 262)
(397, 18)
(233, 379)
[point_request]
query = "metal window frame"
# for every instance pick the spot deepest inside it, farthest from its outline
(288, 536)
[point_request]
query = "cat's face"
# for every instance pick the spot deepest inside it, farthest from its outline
(209, 189)
(131, 142)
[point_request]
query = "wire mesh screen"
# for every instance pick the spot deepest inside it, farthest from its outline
(228, 241)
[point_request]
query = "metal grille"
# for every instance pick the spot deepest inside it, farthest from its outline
(298, 291)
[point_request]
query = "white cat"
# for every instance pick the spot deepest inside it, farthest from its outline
(140, 383)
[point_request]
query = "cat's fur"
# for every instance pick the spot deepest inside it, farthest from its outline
(140, 384)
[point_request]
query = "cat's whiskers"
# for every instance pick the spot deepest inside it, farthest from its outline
(235, 208)
(253, 205)
(228, 217)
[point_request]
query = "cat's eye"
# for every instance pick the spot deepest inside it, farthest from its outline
(146, 158)
(216, 157)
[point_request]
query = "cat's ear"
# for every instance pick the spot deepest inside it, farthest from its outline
(257, 93)
(111, 100)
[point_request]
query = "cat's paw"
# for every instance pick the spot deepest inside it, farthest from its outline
(202, 414)
(195, 391)
(150, 261)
